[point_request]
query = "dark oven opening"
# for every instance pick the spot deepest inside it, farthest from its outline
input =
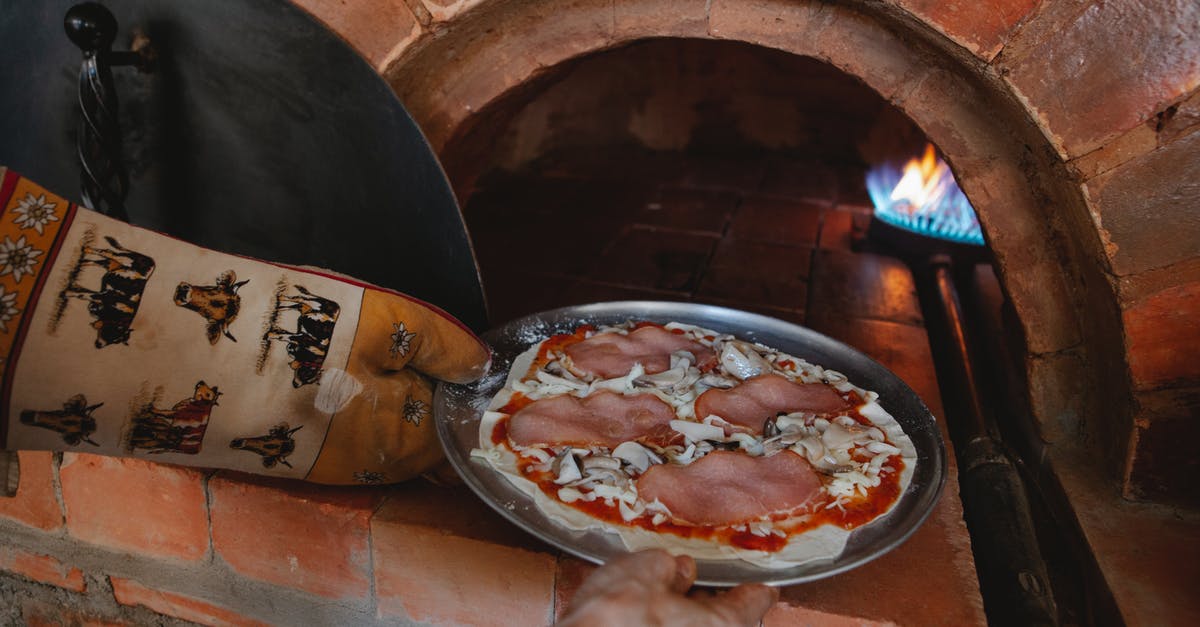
(735, 175)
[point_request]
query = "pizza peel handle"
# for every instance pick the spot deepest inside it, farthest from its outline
(104, 180)
(459, 408)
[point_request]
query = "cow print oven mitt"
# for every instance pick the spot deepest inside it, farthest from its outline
(121, 341)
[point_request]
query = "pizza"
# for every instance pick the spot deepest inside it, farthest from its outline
(683, 438)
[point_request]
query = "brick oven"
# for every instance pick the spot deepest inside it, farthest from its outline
(697, 143)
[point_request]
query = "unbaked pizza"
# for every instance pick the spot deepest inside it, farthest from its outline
(679, 437)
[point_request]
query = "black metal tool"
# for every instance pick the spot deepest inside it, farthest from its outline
(1012, 571)
(104, 179)
(10, 473)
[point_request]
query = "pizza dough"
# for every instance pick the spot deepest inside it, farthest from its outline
(562, 389)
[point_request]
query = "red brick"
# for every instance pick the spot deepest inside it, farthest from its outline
(937, 568)
(902, 348)
(1146, 208)
(441, 556)
(445, 79)
(455, 510)
(584, 292)
(1093, 70)
(657, 260)
(1055, 383)
(858, 44)
(1035, 268)
(293, 534)
(808, 180)
(556, 32)
(1135, 143)
(732, 173)
(35, 504)
(1164, 463)
(1151, 579)
(981, 27)
(1179, 119)
(509, 296)
(862, 285)
(130, 592)
(446, 10)
(840, 226)
(659, 18)
(768, 219)
(794, 316)
(373, 27)
(1157, 328)
(687, 210)
(43, 568)
(477, 62)
(1132, 289)
(772, 262)
(754, 286)
(784, 614)
(133, 505)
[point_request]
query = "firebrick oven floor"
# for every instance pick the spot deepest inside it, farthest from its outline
(770, 236)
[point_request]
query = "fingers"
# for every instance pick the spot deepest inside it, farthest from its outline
(654, 569)
(395, 331)
(685, 574)
(658, 568)
(745, 604)
(649, 587)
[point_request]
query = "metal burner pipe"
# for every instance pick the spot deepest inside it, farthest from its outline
(1012, 573)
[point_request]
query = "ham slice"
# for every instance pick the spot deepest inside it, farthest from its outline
(726, 488)
(604, 418)
(751, 403)
(610, 355)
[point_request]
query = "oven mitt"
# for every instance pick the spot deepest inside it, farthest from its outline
(121, 341)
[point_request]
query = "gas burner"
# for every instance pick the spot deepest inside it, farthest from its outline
(923, 197)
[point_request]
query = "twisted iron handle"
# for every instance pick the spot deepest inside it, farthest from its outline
(104, 179)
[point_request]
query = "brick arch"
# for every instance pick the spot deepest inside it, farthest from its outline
(1049, 251)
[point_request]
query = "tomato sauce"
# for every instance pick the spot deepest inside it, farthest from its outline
(516, 403)
(556, 344)
(768, 543)
(500, 432)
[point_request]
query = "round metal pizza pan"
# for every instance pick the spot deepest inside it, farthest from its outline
(459, 408)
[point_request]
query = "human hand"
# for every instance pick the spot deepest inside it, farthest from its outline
(121, 341)
(651, 588)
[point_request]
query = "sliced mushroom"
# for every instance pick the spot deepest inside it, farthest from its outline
(697, 431)
(711, 380)
(600, 461)
(566, 468)
(601, 476)
(742, 360)
(636, 455)
(770, 429)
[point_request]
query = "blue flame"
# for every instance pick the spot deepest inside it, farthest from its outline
(947, 214)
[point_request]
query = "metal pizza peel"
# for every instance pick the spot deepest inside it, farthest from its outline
(458, 410)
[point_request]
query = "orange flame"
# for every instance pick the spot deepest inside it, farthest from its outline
(923, 197)
(923, 181)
